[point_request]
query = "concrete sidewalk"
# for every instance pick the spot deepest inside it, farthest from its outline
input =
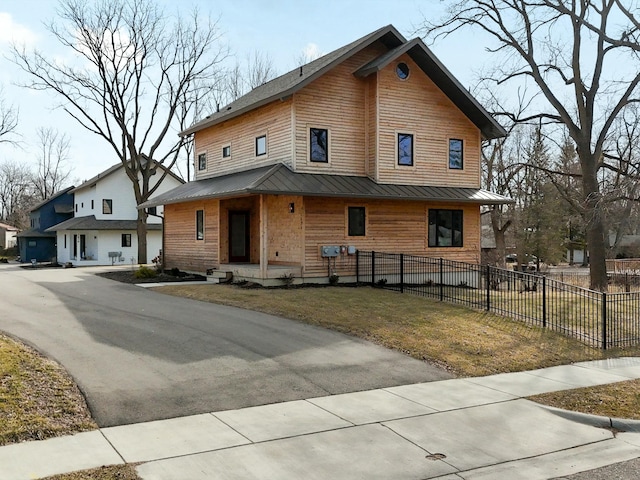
(474, 428)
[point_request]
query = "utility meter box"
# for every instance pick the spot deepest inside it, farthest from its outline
(330, 250)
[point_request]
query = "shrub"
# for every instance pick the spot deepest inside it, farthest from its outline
(287, 279)
(145, 272)
(334, 278)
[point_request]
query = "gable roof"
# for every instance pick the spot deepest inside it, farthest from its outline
(8, 228)
(280, 180)
(113, 169)
(91, 223)
(286, 85)
(52, 198)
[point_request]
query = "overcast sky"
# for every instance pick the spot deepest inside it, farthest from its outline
(282, 29)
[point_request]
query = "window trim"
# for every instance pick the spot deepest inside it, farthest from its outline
(461, 167)
(364, 225)
(433, 242)
(226, 148)
(107, 201)
(266, 146)
(413, 150)
(309, 149)
(400, 73)
(202, 166)
(199, 225)
(124, 239)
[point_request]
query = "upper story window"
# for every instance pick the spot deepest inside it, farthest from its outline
(402, 71)
(319, 145)
(261, 145)
(445, 228)
(357, 221)
(152, 211)
(226, 151)
(405, 149)
(199, 224)
(455, 154)
(202, 161)
(107, 206)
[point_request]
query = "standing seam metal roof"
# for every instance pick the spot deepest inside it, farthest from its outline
(280, 180)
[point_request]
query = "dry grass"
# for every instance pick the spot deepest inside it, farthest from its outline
(115, 472)
(617, 400)
(38, 399)
(466, 342)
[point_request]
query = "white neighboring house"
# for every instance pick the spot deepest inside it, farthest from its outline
(103, 229)
(8, 236)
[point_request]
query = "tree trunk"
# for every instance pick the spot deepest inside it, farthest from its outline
(141, 227)
(595, 228)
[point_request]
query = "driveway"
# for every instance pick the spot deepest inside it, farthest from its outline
(139, 355)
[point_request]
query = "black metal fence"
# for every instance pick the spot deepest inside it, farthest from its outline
(598, 319)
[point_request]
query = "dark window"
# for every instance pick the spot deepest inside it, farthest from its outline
(91, 204)
(32, 243)
(356, 221)
(405, 149)
(445, 228)
(107, 206)
(199, 224)
(226, 151)
(126, 239)
(65, 240)
(202, 161)
(319, 145)
(455, 153)
(76, 208)
(402, 70)
(261, 145)
(152, 210)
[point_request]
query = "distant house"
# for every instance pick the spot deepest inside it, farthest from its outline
(102, 230)
(37, 243)
(8, 236)
(374, 146)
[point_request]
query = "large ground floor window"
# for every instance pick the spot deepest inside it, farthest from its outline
(445, 228)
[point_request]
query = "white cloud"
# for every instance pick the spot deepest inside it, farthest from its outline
(10, 31)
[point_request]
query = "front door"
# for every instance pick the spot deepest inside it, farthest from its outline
(239, 237)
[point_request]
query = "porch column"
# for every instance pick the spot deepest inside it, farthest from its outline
(264, 242)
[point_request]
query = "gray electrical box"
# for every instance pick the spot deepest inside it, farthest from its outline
(330, 250)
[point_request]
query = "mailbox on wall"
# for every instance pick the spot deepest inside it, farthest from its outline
(330, 250)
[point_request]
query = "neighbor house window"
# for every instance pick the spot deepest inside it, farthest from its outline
(107, 206)
(405, 149)
(356, 221)
(202, 161)
(92, 204)
(226, 151)
(65, 240)
(455, 153)
(199, 224)
(261, 145)
(152, 210)
(445, 228)
(126, 239)
(76, 208)
(319, 145)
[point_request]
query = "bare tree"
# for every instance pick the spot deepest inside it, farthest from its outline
(16, 195)
(565, 48)
(8, 120)
(138, 72)
(259, 69)
(52, 172)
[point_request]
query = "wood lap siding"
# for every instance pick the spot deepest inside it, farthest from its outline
(336, 101)
(391, 226)
(285, 229)
(274, 120)
(417, 106)
(181, 249)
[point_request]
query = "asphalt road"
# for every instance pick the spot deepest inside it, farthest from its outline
(138, 355)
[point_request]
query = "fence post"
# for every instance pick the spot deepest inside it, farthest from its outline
(544, 302)
(373, 268)
(488, 287)
(604, 320)
(402, 273)
(441, 280)
(357, 267)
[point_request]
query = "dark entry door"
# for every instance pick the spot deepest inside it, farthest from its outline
(239, 250)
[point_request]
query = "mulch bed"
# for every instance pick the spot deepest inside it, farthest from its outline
(127, 276)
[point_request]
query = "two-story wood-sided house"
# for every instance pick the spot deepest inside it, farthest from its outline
(374, 146)
(103, 228)
(37, 243)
